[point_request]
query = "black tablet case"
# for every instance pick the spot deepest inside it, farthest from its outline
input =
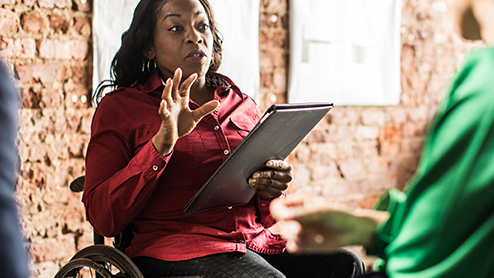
(278, 132)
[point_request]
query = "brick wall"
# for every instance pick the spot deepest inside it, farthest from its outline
(49, 42)
(351, 156)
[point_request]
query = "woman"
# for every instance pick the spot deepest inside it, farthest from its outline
(157, 139)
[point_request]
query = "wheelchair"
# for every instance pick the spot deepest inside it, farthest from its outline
(100, 260)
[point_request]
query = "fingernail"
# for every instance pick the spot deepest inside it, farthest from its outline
(252, 181)
(255, 175)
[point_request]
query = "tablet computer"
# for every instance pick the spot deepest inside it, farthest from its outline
(276, 134)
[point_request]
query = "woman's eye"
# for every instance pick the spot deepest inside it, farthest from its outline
(175, 28)
(204, 26)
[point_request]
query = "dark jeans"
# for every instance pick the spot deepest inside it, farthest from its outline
(374, 275)
(344, 264)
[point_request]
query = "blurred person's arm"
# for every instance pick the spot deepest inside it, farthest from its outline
(13, 253)
(312, 225)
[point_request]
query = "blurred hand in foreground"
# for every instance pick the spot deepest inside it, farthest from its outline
(312, 225)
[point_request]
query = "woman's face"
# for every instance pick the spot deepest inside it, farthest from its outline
(182, 38)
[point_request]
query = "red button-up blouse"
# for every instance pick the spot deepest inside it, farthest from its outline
(127, 181)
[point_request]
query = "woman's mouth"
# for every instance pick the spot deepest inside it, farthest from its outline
(196, 56)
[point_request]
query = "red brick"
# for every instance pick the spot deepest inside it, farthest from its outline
(263, 38)
(321, 171)
(44, 73)
(373, 117)
(29, 3)
(340, 133)
(50, 249)
(18, 48)
(265, 20)
(81, 75)
(8, 20)
(50, 98)
(266, 79)
(265, 63)
(368, 202)
(74, 97)
(411, 129)
(275, 6)
(31, 99)
(279, 39)
(59, 23)
(278, 59)
(52, 4)
(397, 116)
(367, 132)
(78, 5)
(63, 49)
(285, 21)
(345, 115)
(32, 22)
(82, 26)
(316, 136)
(391, 133)
(279, 81)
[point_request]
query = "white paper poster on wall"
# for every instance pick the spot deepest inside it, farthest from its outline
(345, 52)
(110, 20)
(238, 22)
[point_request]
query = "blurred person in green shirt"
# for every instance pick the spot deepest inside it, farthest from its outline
(442, 225)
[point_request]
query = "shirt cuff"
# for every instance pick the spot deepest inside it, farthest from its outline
(390, 202)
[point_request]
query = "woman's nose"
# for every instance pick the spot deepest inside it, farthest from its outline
(194, 37)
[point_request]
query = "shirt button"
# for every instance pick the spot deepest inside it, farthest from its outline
(226, 152)
(216, 127)
(217, 109)
(263, 204)
(230, 207)
(241, 241)
(155, 167)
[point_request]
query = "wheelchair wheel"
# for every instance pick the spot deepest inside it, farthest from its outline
(112, 259)
(83, 268)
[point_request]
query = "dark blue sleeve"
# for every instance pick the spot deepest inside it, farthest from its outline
(13, 252)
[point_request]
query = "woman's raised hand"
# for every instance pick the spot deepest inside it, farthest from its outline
(178, 119)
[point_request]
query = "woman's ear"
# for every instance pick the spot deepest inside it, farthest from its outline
(149, 53)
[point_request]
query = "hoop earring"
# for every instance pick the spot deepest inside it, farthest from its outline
(153, 66)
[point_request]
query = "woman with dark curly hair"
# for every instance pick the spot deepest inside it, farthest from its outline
(156, 139)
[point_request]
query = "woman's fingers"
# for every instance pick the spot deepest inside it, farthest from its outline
(177, 78)
(279, 165)
(166, 94)
(166, 100)
(184, 90)
(272, 183)
(205, 109)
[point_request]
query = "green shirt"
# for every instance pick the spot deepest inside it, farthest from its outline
(443, 224)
